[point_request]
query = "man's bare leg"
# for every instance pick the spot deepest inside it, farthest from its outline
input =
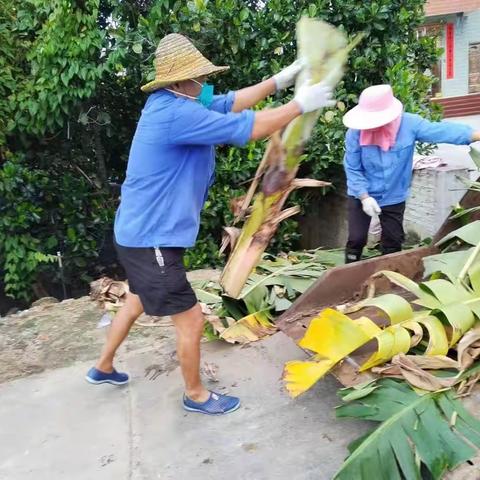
(189, 328)
(121, 324)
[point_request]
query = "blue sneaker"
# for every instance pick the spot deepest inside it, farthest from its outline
(217, 404)
(97, 377)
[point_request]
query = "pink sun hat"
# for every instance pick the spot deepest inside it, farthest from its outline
(376, 107)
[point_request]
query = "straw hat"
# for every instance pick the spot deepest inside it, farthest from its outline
(177, 59)
(376, 107)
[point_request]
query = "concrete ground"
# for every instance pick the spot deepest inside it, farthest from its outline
(55, 426)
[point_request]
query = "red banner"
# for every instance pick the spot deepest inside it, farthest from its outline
(450, 50)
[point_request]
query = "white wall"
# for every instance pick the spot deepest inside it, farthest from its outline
(433, 194)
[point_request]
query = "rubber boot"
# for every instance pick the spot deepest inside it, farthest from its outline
(352, 256)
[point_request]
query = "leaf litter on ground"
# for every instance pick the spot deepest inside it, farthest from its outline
(270, 290)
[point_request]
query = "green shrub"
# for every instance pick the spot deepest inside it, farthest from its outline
(69, 101)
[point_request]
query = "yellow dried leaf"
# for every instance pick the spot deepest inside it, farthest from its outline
(371, 329)
(417, 330)
(300, 376)
(395, 306)
(333, 335)
(249, 329)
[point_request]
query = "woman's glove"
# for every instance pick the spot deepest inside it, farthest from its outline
(371, 207)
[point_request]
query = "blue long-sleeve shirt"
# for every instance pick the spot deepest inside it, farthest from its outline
(171, 167)
(386, 176)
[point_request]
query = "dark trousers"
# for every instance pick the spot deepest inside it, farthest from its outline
(391, 220)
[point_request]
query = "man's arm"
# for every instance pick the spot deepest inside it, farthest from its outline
(307, 99)
(248, 97)
(269, 121)
(194, 124)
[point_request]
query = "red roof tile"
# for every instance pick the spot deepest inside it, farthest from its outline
(445, 7)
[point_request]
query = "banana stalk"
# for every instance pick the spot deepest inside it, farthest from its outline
(324, 50)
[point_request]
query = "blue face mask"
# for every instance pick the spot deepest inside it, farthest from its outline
(206, 94)
(205, 97)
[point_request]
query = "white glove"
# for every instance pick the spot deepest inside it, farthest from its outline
(313, 97)
(286, 77)
(371, 207)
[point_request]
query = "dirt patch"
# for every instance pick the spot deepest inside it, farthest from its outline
(57, 335)
(54, 334)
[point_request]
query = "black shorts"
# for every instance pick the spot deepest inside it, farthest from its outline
(158, 277)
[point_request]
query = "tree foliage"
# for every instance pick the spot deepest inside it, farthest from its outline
(69, 101)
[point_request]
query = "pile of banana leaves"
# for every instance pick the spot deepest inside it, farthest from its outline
(445, 309)
(424, 359)
(270, 289)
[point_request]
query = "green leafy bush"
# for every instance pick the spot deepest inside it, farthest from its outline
(69, 101)
(41, 213)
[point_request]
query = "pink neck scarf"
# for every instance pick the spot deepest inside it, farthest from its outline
(383, 137)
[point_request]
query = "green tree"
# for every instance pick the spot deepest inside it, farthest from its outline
(69, 101)
(53, 191)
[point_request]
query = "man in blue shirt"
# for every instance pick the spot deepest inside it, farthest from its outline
(170, 168)
(379, 148)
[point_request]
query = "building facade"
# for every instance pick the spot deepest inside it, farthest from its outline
(457, 26)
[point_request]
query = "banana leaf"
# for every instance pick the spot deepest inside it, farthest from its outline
(475, 155)
(250, 328)
(449, 264)
(432, 431)
(272, 287)
(465, 213)
(207, 297)
(469, 233)
(281, 276)
(257, 299)
(327, 258)
(281, 304)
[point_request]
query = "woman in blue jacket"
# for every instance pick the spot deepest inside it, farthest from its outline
(379, 148)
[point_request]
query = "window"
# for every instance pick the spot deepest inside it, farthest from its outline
(474, 68)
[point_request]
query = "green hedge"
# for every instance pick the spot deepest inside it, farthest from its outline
(70, 72)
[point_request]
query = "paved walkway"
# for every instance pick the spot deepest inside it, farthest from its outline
(55, 426)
